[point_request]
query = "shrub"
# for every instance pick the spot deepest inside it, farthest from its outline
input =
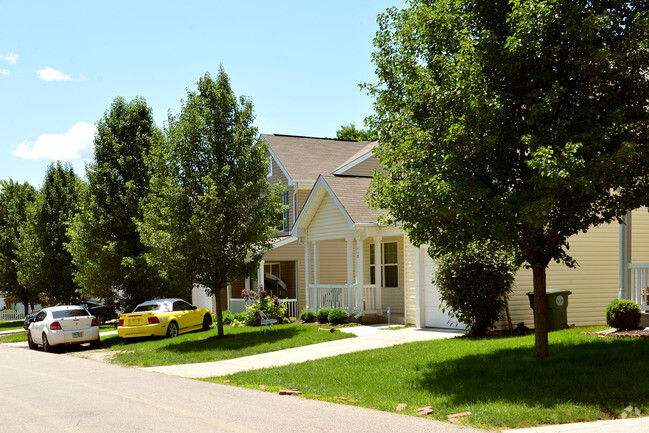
(227, 317)
(241, 317)
(307, 316)
(323, 315)
(623, 314)
(337, 316)
(273, 307)
(474, 285)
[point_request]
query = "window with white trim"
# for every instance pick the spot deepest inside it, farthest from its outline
(389, 267)
(270, 167)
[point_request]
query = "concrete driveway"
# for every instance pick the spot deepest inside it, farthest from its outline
(55, 392)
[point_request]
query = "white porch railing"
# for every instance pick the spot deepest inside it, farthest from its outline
(369, 298)
(238, 305)
(640, 284)
(353, 299)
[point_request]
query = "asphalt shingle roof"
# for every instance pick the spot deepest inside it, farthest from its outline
(305, 158)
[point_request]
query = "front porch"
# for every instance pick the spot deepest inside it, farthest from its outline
(342, 273)
(633, 276)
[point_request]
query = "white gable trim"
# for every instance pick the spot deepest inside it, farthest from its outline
(315, 198)
(354, 163)
(279, 163)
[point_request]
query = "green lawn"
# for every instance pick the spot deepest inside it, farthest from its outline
(205, 346)
(6, 325)
(585, 379)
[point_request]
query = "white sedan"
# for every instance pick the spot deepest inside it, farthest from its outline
(66, 324)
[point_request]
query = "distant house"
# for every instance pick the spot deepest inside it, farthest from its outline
(333, 252)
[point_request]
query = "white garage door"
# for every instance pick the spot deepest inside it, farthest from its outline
(433, 316)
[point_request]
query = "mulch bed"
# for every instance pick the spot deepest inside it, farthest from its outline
(612, 333)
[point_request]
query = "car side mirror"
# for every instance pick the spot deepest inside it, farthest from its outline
(194, 307)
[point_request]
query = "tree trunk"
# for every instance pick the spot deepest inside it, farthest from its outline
(219, 311)
(540, 313)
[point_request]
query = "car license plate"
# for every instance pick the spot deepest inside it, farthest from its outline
(77, 334)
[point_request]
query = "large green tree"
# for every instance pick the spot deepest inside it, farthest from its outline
(523, 122)
(15, 199)
(104, 240)
(212, 213)
(43, 263)
(349, 132)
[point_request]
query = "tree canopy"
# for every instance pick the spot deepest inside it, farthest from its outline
(521, 122)
(15, 198)
(349, 132)
(105, 243)
(44, 264)
(212, 214)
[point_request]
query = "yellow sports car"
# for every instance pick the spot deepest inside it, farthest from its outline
(163, 317)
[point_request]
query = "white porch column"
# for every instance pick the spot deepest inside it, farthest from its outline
(316, 276)
(350, 271)
(260, 275)
(378, 268)
(624, 253)
(307, 276)
(227, 301)
(359, 274)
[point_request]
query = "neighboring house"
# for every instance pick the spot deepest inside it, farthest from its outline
(333, 253)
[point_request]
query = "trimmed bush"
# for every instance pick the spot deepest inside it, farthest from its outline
(337, 316)
(623, 314)
(227, 317)
(323, 315)
(307, 316)
(474, 285)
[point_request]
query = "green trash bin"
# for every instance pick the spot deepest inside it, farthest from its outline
(557, 308)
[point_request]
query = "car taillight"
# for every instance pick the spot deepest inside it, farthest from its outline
(94, 322)
(55, 326)
(121, 322)
(153, 320)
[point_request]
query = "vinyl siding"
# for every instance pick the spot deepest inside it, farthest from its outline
(278, 176)
(328, 221)
(410, 282)
(594, 284)
(365, 168)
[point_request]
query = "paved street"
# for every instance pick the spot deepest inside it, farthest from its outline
(42, 392)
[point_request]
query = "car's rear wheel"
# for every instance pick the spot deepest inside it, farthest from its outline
(172, 330)
(47, 347)
(207, 321)
(30, 341)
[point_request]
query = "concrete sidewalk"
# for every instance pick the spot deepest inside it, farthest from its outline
(629, 425)
(368, 337)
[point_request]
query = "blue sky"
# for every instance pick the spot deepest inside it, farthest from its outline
(63, 63)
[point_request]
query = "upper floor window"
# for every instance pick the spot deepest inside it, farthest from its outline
(285, 214)
(270, 167)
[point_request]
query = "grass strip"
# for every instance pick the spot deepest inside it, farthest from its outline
(206, 346)
(586, 378)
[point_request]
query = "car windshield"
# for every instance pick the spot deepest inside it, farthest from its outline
(77, 312)
(149, 307)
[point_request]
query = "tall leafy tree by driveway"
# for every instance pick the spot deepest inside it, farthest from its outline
(43, 263)
(105, 243)
(212, 214)
(15, 198)
(522, 122)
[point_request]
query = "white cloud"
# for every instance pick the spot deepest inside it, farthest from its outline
(76, 143)
(4, 72)
(49, 74)
(10, 58)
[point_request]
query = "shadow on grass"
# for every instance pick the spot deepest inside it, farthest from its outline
(607, 373)
(233, 342)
